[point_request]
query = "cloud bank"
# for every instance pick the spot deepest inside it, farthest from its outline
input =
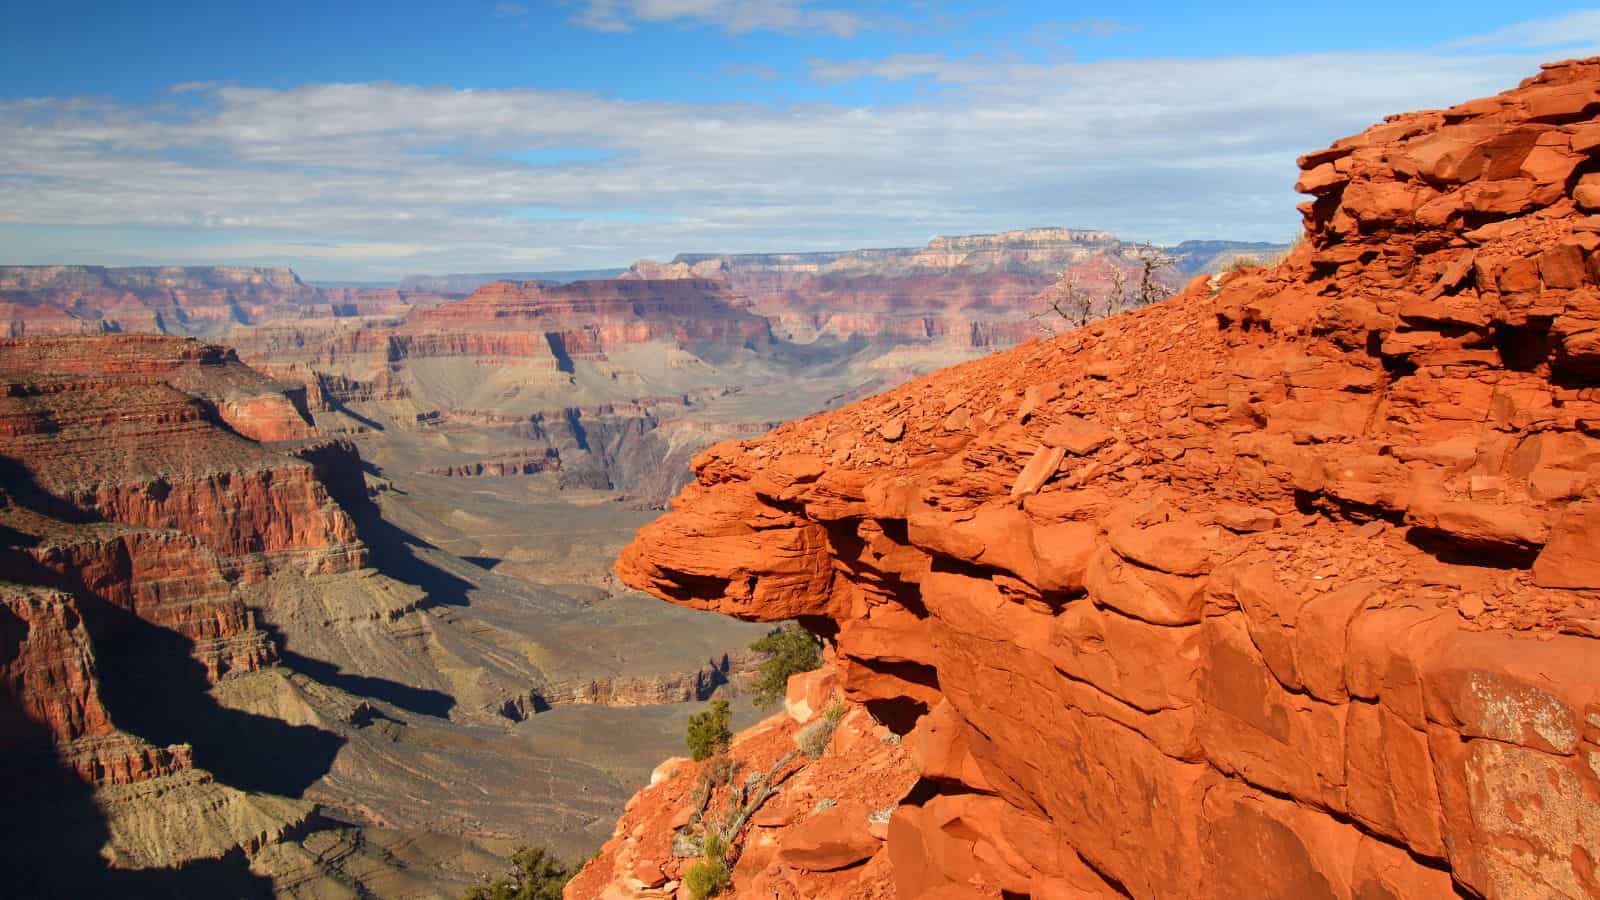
(378, 180)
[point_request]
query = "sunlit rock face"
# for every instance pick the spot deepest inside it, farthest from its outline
(1287, 587)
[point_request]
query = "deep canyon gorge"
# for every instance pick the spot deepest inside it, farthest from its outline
(1286, 586)
(319, 603)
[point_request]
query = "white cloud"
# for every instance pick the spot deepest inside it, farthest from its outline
(905, 67)
(733, 16)
(1581, 27)
(385, 179)
(1100, 26)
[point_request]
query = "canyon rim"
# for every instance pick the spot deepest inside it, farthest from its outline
(1285, 587)
(456, 454)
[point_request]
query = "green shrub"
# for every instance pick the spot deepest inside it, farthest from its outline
(535, 875)
(708, 732)
(716, 849)
(790, 650)
(707, 878)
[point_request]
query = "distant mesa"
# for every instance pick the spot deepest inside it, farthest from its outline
(979, 290)
(188, 300)
(467, 282)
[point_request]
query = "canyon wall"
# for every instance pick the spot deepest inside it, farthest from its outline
(130, 500)
(542, 329)
(582, 373)
(213, 684)
(40, 300)
(162, 433)
(1286, 587)
(135, 496)
(590, 317)
(977, 291)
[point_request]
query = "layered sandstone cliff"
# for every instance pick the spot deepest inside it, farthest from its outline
(166, 433)
(132, 499)
(540, 331)
(969, 291)
(1287, 587)
(42, 300)
(582, 374)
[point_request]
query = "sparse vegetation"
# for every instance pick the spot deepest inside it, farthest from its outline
(1069, 299)
(536, 874)
(1152, 262)
(710, 874)
(813, 739)
(707, 878)
(721, 770)
(790, 650)
(708, 733)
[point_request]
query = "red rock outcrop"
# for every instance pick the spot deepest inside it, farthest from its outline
(819, 835)
(164, 433)
(1287, 587)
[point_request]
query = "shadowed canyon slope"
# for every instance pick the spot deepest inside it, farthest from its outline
(227, 671)
(1287, 587)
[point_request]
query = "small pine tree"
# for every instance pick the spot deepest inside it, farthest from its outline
(708, 733)
(790, 650)
(535, 875)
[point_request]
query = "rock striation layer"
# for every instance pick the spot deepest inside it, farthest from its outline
(134, 495)
(43, 300)
(971, 291)
(166, 433)
(1287, 587)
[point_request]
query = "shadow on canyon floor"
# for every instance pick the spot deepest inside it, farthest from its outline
(52, 831)
(422, 701)
(394, 553)
(154, 688)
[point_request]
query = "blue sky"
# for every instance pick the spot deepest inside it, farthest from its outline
(368, 140)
